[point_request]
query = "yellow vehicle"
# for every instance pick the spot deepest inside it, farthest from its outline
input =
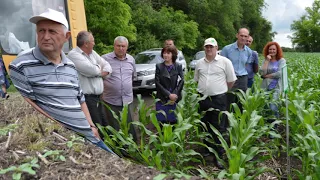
(17, 34)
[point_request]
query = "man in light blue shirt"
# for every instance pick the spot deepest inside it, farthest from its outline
(239, 54)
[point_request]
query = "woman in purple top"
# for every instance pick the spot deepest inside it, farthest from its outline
(169, 83)
(271, 72)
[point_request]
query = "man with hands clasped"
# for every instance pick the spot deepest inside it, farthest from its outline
(215, 75)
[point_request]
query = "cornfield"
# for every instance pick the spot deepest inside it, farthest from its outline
(253, 139)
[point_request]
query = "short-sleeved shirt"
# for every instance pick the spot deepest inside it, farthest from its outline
(238, 57)
(54, 88)
(212, 77)
(254, 60)
(118, 87)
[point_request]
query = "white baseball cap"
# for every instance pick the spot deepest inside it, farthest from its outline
(52, 15)
(210, 41)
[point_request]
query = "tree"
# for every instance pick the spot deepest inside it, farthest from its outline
(108, 19)
(154, 27)
(260, 28)
(306, 34)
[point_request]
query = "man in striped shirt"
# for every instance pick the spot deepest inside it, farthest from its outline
(48, 80)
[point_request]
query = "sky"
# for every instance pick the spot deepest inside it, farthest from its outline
(282, 13)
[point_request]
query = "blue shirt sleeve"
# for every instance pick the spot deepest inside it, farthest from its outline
(224, 52)
(255, 57)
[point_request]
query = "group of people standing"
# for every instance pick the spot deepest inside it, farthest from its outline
(69, 89)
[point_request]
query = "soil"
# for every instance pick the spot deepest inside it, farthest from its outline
(83, 161)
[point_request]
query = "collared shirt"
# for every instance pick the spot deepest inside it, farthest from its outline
(118, 87)
(254, 60)
(54, 88)
(212, 77)
(238, 57)
(89, 70)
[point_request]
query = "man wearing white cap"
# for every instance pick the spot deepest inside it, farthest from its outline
(48, 80)
(215, 75)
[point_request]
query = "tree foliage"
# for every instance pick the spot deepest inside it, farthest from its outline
(108, 19)
(147, 23)
(306, 34)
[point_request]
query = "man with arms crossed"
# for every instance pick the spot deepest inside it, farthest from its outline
(215, 75)
(48, 80)
(118, 87)
(253, 66)
(240, 55)
(91, 70)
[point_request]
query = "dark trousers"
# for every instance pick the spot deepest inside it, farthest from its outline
(96, 110)
(250, 82)
(212, 117)
(114, 122)
(241, 83)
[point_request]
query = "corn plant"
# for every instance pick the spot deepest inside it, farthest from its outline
(23, 168)
(170, 147)
(244, 133)
(55, 155)
(304, 114)
(4, 130)
(75, 140)
(308, 151)
(246, 129)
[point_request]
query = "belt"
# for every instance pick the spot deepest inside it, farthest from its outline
(92, 95)
(242, 76)
(214, 96)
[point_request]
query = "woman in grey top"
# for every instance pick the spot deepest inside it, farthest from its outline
(271, 71)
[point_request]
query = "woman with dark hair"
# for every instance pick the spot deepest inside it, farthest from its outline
(271, 71)
(169, 83)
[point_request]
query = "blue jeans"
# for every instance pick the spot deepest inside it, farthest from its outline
(273, 106)
(103, 146)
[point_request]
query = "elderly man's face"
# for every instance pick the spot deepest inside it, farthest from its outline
(90, 44)
(51, 36)
(210, 50)
(120, 49)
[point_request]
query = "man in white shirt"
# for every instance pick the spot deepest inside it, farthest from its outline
(215, 75)
(91, 69)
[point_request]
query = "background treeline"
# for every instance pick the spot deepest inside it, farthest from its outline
(147, 23)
